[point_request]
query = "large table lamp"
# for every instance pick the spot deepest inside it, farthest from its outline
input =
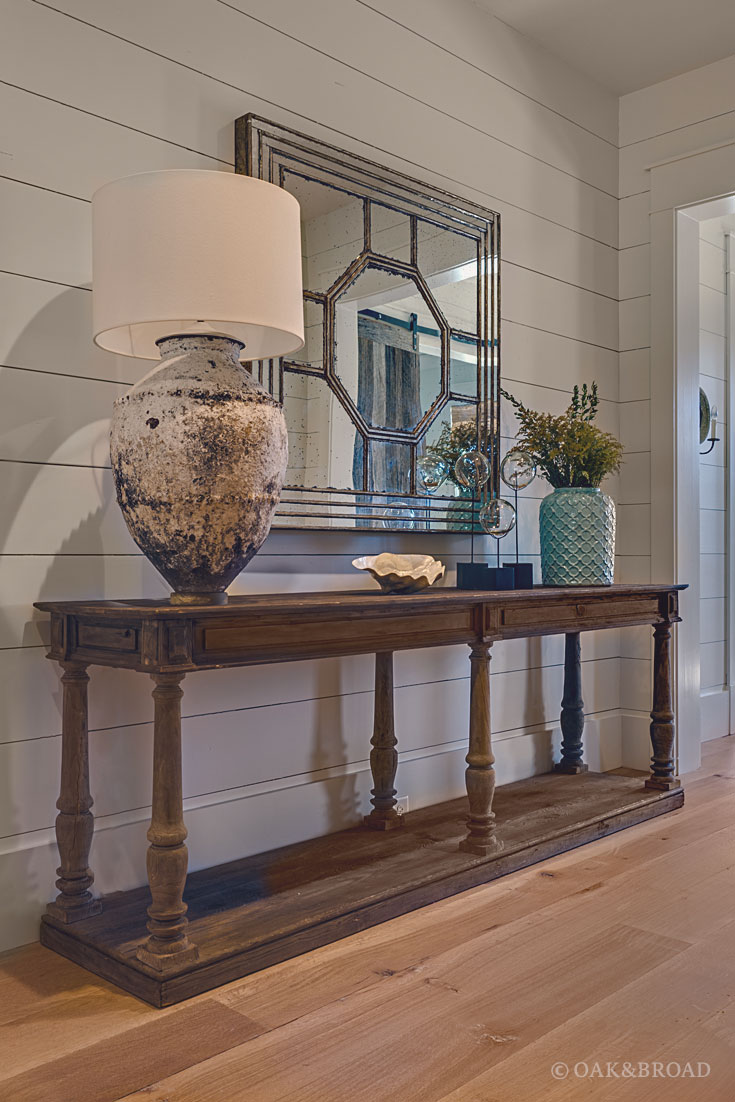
(198, 270)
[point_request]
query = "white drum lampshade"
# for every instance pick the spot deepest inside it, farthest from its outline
(201, 269)
(181, 250)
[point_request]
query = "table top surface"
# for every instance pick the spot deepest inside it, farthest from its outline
(348, 600)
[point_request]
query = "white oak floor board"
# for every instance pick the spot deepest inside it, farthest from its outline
(371, 990)
(677, 1013)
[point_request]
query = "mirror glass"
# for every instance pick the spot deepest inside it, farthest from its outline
(400, 368)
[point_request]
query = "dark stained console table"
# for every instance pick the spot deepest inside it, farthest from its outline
(251, 913)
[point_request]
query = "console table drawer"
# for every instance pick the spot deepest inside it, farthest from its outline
(597, 610)
(363, 635)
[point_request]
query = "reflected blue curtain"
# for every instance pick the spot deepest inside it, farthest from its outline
(388, 396)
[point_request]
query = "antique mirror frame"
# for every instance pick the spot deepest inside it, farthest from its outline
(290, 159)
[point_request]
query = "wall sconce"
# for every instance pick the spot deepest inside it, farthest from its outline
(707, 423)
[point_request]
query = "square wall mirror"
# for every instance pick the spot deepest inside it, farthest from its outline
(400, 372)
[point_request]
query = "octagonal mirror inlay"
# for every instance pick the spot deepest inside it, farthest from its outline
(389, 336)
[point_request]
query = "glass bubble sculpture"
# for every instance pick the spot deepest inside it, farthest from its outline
(517, 470)
(472, 470)
(497, 517)
(398, 516)
(432, 472)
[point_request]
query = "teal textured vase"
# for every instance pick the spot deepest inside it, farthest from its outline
(577, 537)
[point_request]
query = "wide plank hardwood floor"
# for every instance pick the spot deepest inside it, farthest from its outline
(621, 951)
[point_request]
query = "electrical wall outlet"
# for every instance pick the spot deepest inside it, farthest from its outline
(402, 804)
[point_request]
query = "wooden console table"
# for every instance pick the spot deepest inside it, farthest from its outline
(170, 961)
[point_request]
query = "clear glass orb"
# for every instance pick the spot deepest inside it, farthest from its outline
(432, 472)
(517, 470)
(497, 517)
(398, 516)
(472, 469)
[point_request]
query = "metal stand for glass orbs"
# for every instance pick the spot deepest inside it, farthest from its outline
(473, 471)
(498, 517)
(518, 471)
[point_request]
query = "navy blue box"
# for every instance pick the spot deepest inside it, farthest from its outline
(523, 574)
(472, 575)
(501, 577)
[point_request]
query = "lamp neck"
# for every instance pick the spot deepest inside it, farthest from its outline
(179, 343)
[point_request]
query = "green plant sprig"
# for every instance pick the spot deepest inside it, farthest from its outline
(569, 450)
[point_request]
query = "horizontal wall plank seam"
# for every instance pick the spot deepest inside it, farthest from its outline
(688, 153)
(674, 130)
(558, 279)
(317, 776)
(553, 333)
(53, 463)
(297, 114)
(712, 332)
(114, 122)
(40, 187)
(510, 263)
(310, 699)
(492, 76)
(507, 321)
(44, 279)
(415, 99)
(507, 263)
(68, 374)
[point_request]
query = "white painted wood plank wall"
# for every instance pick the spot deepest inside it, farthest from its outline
(91, 91)
(669, 120)
(713, 501)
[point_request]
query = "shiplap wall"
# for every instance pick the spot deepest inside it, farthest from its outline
(670, 120)
(713, 497)
(94, 89)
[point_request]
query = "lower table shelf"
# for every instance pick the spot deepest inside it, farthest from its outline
(252, 913)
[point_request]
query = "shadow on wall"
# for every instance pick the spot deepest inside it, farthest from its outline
(534, 706)
(54, 419)
(330, 750)
(62, 537)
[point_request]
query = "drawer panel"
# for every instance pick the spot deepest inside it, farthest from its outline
(106, 637)
(597, 610)
(263, 640)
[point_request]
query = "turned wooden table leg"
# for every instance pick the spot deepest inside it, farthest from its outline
(572, 709)
(168, 943)
(75, 822)
(480, 775)
(383, 756)
(663, 773)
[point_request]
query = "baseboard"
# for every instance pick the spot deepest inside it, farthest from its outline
(715, 712)
(635, 740)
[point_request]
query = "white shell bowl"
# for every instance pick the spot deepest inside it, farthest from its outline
(401, 573)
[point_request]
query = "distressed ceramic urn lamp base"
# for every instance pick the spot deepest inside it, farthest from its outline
(201, 269)
(199, 452)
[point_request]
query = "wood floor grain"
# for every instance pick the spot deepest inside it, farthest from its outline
(623, 950)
